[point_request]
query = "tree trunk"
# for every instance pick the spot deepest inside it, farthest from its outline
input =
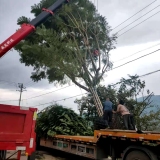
(97, 102)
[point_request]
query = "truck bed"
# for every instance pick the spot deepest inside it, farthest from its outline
(114, 133)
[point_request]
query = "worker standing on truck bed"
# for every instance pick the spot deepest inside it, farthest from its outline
(107, 110)
(125, 114)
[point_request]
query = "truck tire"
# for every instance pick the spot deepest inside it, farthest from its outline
(137, 155)
(3, 154)
(38, 143)
(32, 156)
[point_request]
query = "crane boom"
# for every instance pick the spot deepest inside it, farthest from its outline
(26, 29)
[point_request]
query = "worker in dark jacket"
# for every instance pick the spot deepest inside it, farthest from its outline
(107, 110)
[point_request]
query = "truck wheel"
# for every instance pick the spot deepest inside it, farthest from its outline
(137, 155)
(32, 156)
(3, 154)
(38, 147)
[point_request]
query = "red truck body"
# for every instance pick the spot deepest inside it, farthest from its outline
(17, 128)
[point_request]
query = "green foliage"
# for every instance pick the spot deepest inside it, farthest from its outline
(147, 116)
(87, 108)
(60, 120)
(62, 48)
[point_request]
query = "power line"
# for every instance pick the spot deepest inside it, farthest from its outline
(150, 73)
(138, 24)
(118, 67)
(35, 93)
(138, 19)
(86, 93)
(138, 77)
(108, 71)
(137, 52)
(135, 59)
(60, 100)
(28, 82)
(10, 84)
(8, 81)
(39, 91)
(48, 93)
(31, 83)
(134, 15)
(113, 68)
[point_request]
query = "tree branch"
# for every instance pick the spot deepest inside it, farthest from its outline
(86, 41)
(86, 70)
(82, 61)
(149, 96)
(98, 55)
(78, 84)
(106, 65)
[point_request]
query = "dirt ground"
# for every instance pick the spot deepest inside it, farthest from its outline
(40, 155)
(43, 155)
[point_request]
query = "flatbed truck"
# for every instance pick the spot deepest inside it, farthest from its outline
(118, 144)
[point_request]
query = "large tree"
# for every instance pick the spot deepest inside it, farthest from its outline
(137, 99)
(73, 45)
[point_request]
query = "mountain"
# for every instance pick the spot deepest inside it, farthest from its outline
(155, 102)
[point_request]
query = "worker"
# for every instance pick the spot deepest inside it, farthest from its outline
(107, 110)
(125, 114)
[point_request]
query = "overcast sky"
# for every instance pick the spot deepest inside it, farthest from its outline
(145, 35)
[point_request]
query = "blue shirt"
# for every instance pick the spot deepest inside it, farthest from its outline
(107, 106)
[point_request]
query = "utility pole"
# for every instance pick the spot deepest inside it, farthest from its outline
(21, 87)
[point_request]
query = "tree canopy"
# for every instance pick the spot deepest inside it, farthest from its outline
(73, 45)
(65, 44)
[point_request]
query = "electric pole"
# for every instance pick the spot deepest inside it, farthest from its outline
(21, 87)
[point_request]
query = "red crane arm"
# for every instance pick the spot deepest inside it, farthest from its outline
(24, 31)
